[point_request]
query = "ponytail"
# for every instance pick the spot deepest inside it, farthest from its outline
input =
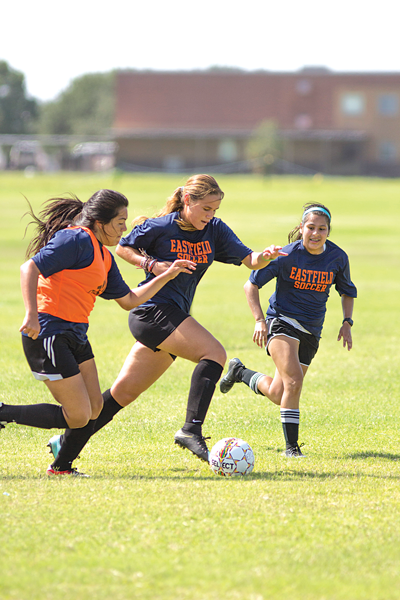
(58, 214)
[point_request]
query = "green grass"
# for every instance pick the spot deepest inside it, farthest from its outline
(153, 522)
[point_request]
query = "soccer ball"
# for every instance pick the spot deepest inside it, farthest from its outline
(230, 457)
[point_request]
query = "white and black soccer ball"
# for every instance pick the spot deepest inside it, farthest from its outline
(230, 457)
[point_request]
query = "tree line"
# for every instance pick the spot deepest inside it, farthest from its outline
(85, 107)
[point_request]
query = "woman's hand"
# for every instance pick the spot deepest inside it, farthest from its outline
(260, 333)
(179, 266)
(273, 252)
(345, 333)
(30, 326)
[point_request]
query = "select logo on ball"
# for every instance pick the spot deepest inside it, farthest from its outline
(230, 457)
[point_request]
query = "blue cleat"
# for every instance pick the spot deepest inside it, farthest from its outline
(55, 445)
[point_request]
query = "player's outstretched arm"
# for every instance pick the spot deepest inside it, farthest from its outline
(345, 330)
(260, 327)
(134, 257)
(258, 260)
(146, 291)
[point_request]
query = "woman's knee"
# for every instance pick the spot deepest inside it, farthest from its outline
(217, 353)
(293, 385)
(79, 417)
(96, 406)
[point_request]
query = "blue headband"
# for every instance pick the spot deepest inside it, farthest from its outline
(316, 209)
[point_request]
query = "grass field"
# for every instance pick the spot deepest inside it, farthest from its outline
(153, 522)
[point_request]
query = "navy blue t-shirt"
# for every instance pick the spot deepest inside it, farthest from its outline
(73, 249)
(163, 239)
(304, 281)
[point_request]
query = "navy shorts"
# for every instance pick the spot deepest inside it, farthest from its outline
(55, 357)
(308, 345)
(151, 325)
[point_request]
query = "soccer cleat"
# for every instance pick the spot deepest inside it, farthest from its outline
(54, 444)
(293, 452)
(194, 443)
(73, 472)
(228, 381)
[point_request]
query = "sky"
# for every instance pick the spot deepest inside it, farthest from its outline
(53, 43)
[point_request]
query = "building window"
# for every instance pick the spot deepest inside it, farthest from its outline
(388, 105)
(387, 152)
(352, 104)
(173, 163)
(303, 121)
(227, 150)
(303, 87)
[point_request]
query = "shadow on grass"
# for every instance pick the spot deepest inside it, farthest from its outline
(371, 454)
(192, 473)
(186, 475)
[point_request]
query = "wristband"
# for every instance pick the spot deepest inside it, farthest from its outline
(151, 265)
(349, 321)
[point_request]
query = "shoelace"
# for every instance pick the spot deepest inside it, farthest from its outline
(202, 441)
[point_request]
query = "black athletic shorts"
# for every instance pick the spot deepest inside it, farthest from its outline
(55, 357)
(308, 342)
(151, 325)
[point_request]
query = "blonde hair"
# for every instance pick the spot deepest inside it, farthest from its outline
(198, 187)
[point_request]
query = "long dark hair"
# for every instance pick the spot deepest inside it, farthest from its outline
(295, 234)
(60, 213)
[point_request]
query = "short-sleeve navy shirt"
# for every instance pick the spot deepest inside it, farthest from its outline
(303, 282)
(163, 239)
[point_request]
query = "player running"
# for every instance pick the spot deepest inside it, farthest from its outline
(295, 316)
(185, 228)
(69, 268)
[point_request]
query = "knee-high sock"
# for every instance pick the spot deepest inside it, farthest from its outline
(110, 409)
(290, 418)
(74, 440)
(44, 416)
(204, 379)
(251, 378)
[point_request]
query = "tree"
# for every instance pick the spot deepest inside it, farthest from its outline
(17, 112)
(263, 147)
(86, 107)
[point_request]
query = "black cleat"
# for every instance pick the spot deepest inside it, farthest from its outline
(194, 443)
(228, 381)
(293, 452)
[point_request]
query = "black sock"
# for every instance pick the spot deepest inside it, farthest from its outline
(73, 442)
(44, 416)
(204, 379)
(110, 409)
(290, 418)
(251, 378)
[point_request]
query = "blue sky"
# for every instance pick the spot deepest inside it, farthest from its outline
(52, 43)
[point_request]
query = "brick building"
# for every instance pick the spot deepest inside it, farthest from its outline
(338, 123)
